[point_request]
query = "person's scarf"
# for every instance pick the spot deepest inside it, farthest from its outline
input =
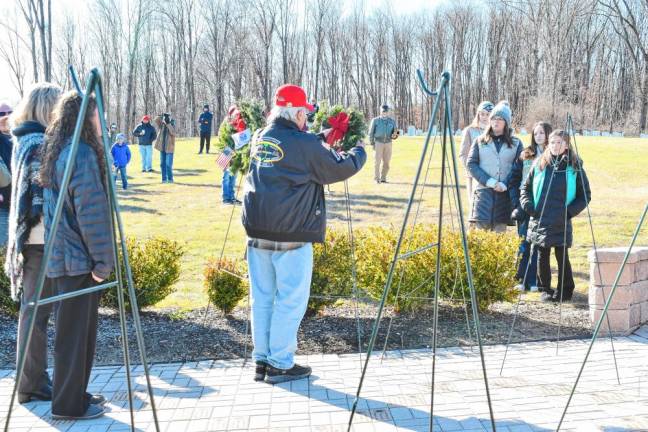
(26, 208)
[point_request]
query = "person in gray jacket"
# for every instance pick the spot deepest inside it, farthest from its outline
(490, 162)
(284, 213)
(381, 130)
(82, 252)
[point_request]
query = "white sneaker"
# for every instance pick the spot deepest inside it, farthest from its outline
(534, 288)
(519, 287)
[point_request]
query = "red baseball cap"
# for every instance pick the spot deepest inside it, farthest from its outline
(146, 118)
(290, 95)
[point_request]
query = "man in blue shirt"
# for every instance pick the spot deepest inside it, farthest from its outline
(205, 122)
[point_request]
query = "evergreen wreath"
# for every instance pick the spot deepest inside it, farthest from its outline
(251, 112)
(356, 131)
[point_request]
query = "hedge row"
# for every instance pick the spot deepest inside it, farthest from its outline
(492, 258)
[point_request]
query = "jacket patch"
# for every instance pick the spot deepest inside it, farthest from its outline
(266, 152)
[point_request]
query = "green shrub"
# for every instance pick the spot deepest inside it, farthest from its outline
(225, 289)
(332, 270)
(155, 264)
(413, 279)
(492, 261)
(7, 304)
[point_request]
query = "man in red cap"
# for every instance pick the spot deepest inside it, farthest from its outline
(145, 133)
(284, 213)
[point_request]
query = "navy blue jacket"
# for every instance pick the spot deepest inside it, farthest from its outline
(284, 196)
(6, 148)
(145, 133)
(83, 242)
(205, 121)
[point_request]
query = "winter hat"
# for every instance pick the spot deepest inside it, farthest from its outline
(5, 107)
(503, 111)
(120, 137)
(485, 106)
(146, 118)
(384, 108)
(205, 106)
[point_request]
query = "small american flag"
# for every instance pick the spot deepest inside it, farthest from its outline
(224, 158)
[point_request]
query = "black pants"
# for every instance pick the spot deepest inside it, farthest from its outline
(34, 375)
(74, 345)
(565, 281)
(205, 137)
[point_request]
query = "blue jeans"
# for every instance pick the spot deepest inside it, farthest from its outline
(280, 287)
(229, 181)
(146, 151)
(523, 253)
(166, 166)
(122, 173)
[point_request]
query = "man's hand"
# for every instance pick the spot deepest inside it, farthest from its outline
(97, 278)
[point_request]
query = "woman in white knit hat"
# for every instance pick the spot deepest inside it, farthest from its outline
(490, 162)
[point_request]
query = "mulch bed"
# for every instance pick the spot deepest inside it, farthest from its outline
(172, 336)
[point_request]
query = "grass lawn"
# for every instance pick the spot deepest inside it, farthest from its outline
(190, 210)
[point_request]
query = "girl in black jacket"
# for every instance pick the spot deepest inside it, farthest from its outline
(555, 191)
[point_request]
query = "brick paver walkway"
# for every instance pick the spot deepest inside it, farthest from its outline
(528, 396)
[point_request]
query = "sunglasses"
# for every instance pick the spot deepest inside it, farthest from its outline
(5, 113)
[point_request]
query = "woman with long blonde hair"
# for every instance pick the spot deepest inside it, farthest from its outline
(27, 234)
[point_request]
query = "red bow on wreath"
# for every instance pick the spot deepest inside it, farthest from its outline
(340, 125)
(237, 120)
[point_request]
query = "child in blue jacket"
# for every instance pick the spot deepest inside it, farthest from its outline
(121, 156)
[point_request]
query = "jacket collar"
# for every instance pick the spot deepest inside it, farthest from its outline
(28, 127)
(282, 122)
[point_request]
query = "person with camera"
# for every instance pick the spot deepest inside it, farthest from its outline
(145, 134)
(284, 213)
(381, 133)
(165, 144)
(205, 124)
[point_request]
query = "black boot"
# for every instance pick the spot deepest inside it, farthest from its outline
(44, 394)
(547, 295)
(260, 371)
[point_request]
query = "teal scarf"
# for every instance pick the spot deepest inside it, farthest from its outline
(538, 182)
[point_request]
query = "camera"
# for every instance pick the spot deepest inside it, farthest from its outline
(166, 118)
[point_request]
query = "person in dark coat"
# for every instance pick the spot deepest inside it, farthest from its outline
(27, 236)
(555, 191)
(82, 252)
(6, 148)
(205, 124)
(145, 133)
(284, 213)
(527, 269)
(490, 162)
